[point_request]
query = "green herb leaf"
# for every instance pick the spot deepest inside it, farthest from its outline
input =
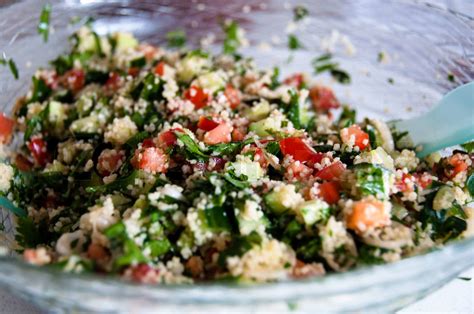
(341, 76)
(468, 147)
(347, 118)
(43, 26)
(451, 77)
(11, 65)
(190, 145)
(232, 39)
(294, 110)
(299, 13)
(176, 38)
(275, 82)
(470, 184)
(323, 64)
(294, 43)
(370, 179)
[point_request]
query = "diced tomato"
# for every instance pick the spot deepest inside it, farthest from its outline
(220, 134)
(237, 135)
(151, 159)
(332, 172)
(367, 214)
(143, 273)
(233, 96)
(133, 71)
(167, 138)
(50, 77)
(323, 98)
(302, 270)
(296, 80)
(297, 171)
(354, 135)
(300, 151)
(22, 163)
(405, 183)
(6, 128)
(458, 165)
(148, 142)
(258, 155)
(114, 81)
(75, 80)
(110, 161)
(39, 150)
(160, 68)
(329, 191)
(206, 124)
(97, 252)
(148, 51)
(197, 96)
(423, 180)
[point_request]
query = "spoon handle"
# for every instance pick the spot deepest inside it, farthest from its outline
(450, 123)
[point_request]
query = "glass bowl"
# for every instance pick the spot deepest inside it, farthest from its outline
(420, 52)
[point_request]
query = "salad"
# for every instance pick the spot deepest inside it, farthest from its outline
(179, 166)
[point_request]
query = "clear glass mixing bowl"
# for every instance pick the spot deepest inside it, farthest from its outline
(424, 44)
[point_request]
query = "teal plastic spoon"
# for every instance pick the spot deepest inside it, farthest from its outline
(449, 123)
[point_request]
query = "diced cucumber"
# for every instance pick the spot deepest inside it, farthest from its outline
(383, 135)
(212, 81)
(56, 115)
(124, 41)
(250, 217)
(191, 66)
(378, 156)
(84, 105)
(283, 198)
(314, 211)
(262, 127)
(433, 159)
(251, 169)
(88, 41)
(444, 198)
(90, 124)
(258, 111)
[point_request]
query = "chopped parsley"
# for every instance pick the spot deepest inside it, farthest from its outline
(176, 38)
(43, 26)
(294, 43)
(11, 65)
(233, 38)
(299, 13)
(324, 63)
(451, 77)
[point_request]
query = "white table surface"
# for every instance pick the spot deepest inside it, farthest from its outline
(455, 297)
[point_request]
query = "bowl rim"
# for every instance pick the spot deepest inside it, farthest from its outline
(461, 252)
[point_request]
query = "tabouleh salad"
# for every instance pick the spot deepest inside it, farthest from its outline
(178, 166)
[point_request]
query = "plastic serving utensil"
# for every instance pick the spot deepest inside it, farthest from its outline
(449, 123)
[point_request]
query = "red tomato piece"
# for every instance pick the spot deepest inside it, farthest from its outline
(329, 191)
(220, 134)
(6, 128)
(331, 172)
(354, 135)
(143, 273)
(206, 124)
(300, 151)
(298, 171)
(39, 150)
(114, 81)
(233, 96)
(404, 184)
(296, 80)
(423, 180)
(458, 165)
(148, 143)
(133, 71)
(167, 138)
(148, 51)
(218, 163)
(22, 163)
(75, 80)
(109, 161)
(197, 96)
(237, 135)
(151, 159)
(323, 98)
(160, 68)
